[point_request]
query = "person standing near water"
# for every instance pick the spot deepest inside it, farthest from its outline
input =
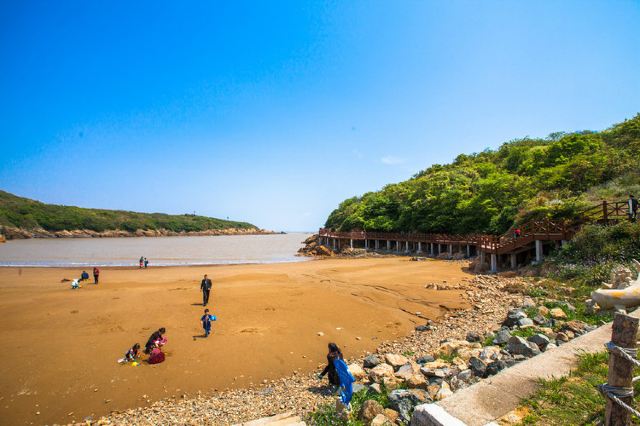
(146, 263)
(141, 261)
(205, 286)
(96, 274)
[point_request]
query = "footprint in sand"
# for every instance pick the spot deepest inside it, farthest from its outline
(251, 330)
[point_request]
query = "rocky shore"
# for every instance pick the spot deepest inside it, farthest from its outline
(19, 233)
(502, 328)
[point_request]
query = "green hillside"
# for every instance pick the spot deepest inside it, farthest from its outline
(490, 190)
(29, 214)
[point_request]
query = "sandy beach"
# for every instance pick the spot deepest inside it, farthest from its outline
(61, 346)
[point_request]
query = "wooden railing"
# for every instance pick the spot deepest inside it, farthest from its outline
(539, 229)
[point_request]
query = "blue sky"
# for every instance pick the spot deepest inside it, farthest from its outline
(274, 112)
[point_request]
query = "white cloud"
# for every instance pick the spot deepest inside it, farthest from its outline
(390, 160)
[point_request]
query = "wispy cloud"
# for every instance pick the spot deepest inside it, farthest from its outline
(390, 160)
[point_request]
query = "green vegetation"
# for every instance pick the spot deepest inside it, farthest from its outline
(326, 414)
(490, 191)
(28, 214)
(573, 400)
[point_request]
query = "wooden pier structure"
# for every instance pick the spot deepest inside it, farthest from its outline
(537, 238)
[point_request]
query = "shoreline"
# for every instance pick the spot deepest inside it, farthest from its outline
(16, 234)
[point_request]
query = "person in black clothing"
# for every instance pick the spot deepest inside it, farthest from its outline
(633, 208)
(157, 336)
(205, 286)
(334, 353)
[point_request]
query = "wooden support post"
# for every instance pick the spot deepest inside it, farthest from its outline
(623, 334)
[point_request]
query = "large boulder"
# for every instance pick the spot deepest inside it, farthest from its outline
(444, 392)
(502, 337)
(495, 367)
(403, 401)
(478, 367)
(370, 409)
(381, 420)
(513, 316)
(539, 339)
(357, 371)
(557, 313)
(371, 361)
(380, 372)
(518, 346)
(407, 370)
(395, 360)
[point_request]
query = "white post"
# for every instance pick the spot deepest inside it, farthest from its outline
(432, 250)
(468, 250)
(398, 246)
(351, 242)
(366, 244)
(388, 245)
(377, 244)
(450, 249)
(482, 257)
(494, 263)
(406, 247)
(419, 247)
(539, 253)
(514, 261)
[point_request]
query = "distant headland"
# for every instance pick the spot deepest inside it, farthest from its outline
(25, 218)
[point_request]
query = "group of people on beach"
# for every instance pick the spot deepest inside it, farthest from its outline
(153, 347)
(144, 262)
(85, 276)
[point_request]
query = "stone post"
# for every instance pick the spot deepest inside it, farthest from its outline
(419, 247)
(351, 243)
(494, 263)
(539, 252)
(468, 250)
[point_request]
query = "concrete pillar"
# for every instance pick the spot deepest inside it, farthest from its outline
(539, 253)
(406, 247)
(468, 250)
(482, 257)
(366, 244)
(388, 245)
(494, 263)
(398, 246)
(432, 251)
(514, 261)
(419, 247)
(450, 249)
(377, 244)
(351, 243)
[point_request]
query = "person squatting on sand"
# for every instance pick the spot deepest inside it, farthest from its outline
(152, 348)
(205, 286)
(206, 322)
(84, 276)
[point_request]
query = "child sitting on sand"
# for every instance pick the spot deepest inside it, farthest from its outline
(206, 322)
(131, 355)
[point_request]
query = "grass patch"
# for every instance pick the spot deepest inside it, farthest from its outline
(326, 414)
(525, 332)
(572, 400)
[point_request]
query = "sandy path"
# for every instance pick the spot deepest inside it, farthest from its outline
(60, 346)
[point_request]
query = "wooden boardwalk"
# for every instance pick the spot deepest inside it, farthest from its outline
(536, 239)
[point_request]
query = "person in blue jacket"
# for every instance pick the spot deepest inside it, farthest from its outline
(206, 322)
(346, 382)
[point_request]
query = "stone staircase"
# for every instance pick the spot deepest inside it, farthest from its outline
(289, 419)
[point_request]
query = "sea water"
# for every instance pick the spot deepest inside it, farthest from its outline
(160, 251)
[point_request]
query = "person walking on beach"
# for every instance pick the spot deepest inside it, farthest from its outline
(334, 354)
(206, 322)
(205, 286)
(633, 208)
(141, 261)
(96, 274)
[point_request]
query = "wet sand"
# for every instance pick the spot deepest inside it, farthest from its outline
(60, 346)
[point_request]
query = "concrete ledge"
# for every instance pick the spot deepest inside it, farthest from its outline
(492, 398)
(433, 415)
